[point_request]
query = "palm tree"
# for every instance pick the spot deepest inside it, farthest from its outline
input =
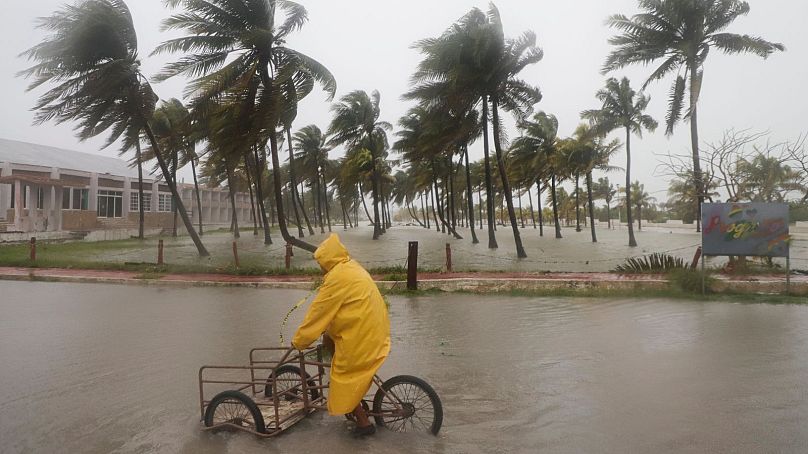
(91, 57)
(356, 123)
(681, 33)
(605, 190)
(538, 149)
(590, 152)
(240, 44)
(311, 146)
(622, 108)
(641, 200)
(767, 179)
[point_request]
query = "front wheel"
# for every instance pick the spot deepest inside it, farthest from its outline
(408, 404)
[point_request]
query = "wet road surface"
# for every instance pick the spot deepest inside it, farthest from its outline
(104, 368)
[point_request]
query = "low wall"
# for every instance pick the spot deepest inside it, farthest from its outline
(79, 220)
(119, 234)
(24, 237)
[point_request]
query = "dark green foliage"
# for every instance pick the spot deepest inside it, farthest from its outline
(656, 262)
(691, 281)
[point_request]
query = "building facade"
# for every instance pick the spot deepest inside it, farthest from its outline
(47, 189)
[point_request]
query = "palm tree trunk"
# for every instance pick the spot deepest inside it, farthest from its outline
(695, 88)
(325, 196)
(608, 213)
(199, 197)
(141, 209)
(632, 242)
(470, 197)
(639, 218)
(532, 211)
(276, 169)
(480, 204)
(365, 205)
(577, 203)
(446, 225)
(260, 165)
(319, 200)
(591, 206)
(293, 186)
(555, 206)
(489, 188)
(301, 201)
(521, 213)
(423, 211)
(174, 177)
(231, 189)
(506, 186)
(434, 212)
(203, 252)
(252, 200)
(541, 214)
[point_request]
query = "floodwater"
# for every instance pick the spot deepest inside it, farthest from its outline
(575, 252)
(103, 368)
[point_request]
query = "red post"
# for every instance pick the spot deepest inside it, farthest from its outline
(160, 252)
(448, 258)
(235, 254)
(696, 259)
(412, 266)
(288, 256)
(33, 249)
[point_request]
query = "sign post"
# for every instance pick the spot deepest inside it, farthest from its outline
(746, 229)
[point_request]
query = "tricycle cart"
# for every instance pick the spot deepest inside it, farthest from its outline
(281, 386)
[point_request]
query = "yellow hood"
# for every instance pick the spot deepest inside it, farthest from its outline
(331, 253)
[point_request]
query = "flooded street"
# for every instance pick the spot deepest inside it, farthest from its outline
(103, 368)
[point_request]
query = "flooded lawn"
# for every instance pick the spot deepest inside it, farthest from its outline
(97, 369)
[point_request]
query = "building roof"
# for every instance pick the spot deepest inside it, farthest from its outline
(32, 154)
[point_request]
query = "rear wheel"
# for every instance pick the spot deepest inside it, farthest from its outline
(408, 404)
(236, 409)
(289, 383)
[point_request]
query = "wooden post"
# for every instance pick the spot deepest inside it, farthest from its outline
(288, 256)
(160, 253)
(695, 263)
(448, 258)
(235, 254)
(33, 249)
(412, 266)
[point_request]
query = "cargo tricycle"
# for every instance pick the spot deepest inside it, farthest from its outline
(282, 385)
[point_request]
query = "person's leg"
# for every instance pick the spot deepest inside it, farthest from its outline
(363, 425)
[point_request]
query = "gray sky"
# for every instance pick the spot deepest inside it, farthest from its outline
(366, 44)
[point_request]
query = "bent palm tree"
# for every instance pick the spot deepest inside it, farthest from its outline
(681, 33)
(92, 58)
(622, 108)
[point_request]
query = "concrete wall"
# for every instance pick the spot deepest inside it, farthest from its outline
(79, 220)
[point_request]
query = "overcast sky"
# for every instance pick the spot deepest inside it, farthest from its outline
(366, 44)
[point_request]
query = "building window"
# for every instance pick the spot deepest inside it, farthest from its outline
(133, 205)
(81, 199)
(110, 204)
(40, 198)
(65, 198)
(165, 203)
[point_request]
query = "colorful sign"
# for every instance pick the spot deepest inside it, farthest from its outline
(753, 229)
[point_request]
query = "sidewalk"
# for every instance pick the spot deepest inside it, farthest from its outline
(475, 282)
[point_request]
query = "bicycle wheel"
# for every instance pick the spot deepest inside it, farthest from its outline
(233, 407)
(408, 404)
(290, 379)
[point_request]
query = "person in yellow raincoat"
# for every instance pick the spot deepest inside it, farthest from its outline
(350, 309)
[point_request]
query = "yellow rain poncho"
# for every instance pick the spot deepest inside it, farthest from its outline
(350, 309)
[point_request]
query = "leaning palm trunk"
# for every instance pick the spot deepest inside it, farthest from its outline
(141, 209)
(447, 226)
(293, 188)
(695, 86)
(434, 212)
(555, 206)
(252, 201)
(506, 186)
(173, 188)
(174, 177)
(489, 187)
(260, 165)
(232, 192)
(364, 204)
(470, 198)
(532, 211)
(591, 206)
(632, 242)
(577, 203)
(327, 210)
(199, 197)
(276, 180)
(541, 214)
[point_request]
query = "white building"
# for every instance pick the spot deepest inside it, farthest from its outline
(45, 189)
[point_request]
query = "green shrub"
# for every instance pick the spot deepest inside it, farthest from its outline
(654, 263)
(690, 281)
